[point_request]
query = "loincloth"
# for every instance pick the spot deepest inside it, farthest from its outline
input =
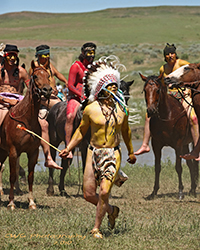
(103, 163)
(11, 96)
(179, 96)
(4, 107)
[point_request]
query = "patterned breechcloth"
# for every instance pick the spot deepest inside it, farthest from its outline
(104, 163)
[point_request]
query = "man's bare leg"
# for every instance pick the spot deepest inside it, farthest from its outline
(72, 109)
(49, 162)
(145, 144)
(68, 133)
(194, 154)
(102, 205)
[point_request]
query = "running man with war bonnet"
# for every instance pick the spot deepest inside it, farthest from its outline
(107, 115)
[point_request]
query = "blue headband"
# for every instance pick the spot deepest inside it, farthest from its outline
(43, 52)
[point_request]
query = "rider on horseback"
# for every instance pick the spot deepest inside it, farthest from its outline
(173, 63)
(75, 86)
(43, 55)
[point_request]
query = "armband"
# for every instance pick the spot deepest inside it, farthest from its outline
(27, 82)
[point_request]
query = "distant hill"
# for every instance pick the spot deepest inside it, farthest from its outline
(136, 35)
(154, 25)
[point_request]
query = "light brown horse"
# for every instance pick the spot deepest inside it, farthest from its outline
(14, 141)
(169, 126)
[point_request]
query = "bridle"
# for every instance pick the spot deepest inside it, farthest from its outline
(37, 91)
(158, 103)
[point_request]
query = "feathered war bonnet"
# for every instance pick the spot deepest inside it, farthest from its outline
(99, 75)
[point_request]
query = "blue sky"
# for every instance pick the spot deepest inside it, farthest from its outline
(75, 6)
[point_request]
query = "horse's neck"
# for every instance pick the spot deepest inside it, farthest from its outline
(163, 107)
(27, 109)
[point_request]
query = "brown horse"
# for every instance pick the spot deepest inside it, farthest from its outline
(188, 76)
(14, 141)
(169, 126)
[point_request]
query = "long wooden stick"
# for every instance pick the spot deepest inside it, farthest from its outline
(19, 126)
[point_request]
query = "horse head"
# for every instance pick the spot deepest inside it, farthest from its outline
(152, 89)
(186, 75)
(40, 80)
(125, 87)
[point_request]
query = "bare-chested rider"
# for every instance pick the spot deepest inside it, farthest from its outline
(75, 86)
(107, 119)
(10, 78)
(173, 63)
(43, 56)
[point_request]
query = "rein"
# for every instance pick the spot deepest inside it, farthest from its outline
(37, 92)
(158, 114)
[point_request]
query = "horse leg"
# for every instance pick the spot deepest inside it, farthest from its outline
(22, 174)
(65, 165)
(50, 188)
(194, 173)
(3, 156)
(2, 167)
(18, 190)
(13, 176)
(83, 149)
(32, 160)
(179, 170)
(157, 153)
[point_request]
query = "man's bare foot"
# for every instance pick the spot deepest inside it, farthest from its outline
(142, 150)
(52, 164)
(70, 155)
(191, 156)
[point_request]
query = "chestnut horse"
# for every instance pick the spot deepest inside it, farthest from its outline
(57, 120)
(14, 141)
(188, 76)
(169, 126)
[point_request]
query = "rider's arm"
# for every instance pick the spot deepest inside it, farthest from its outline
(24, 75)
(126, 134)
(78, 135)
(59, 75)
(73, 86)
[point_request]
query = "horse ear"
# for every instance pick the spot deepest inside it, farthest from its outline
(160, 76)
(144, 78)
(198, 65)
(130, 83)
(32, 64)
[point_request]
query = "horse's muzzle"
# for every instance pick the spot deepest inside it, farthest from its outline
(46, 92)
(152, 111)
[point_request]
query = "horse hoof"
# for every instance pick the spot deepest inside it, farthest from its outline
(150, 197)
(50, 192)
(181, 196)
(32, 207)
(193, 193)
(23, 180)
(19, 192)
(63, 193)
(11, 207)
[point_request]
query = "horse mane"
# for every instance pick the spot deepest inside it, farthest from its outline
(194, 66)
(152, 77)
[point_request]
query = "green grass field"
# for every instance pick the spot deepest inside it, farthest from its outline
(64, 223)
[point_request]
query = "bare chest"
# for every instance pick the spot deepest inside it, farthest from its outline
(9, 82)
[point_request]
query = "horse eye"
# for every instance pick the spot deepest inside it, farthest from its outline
(35, 77)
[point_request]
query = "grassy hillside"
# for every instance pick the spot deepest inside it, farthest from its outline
(136, 35)
(127, 25)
